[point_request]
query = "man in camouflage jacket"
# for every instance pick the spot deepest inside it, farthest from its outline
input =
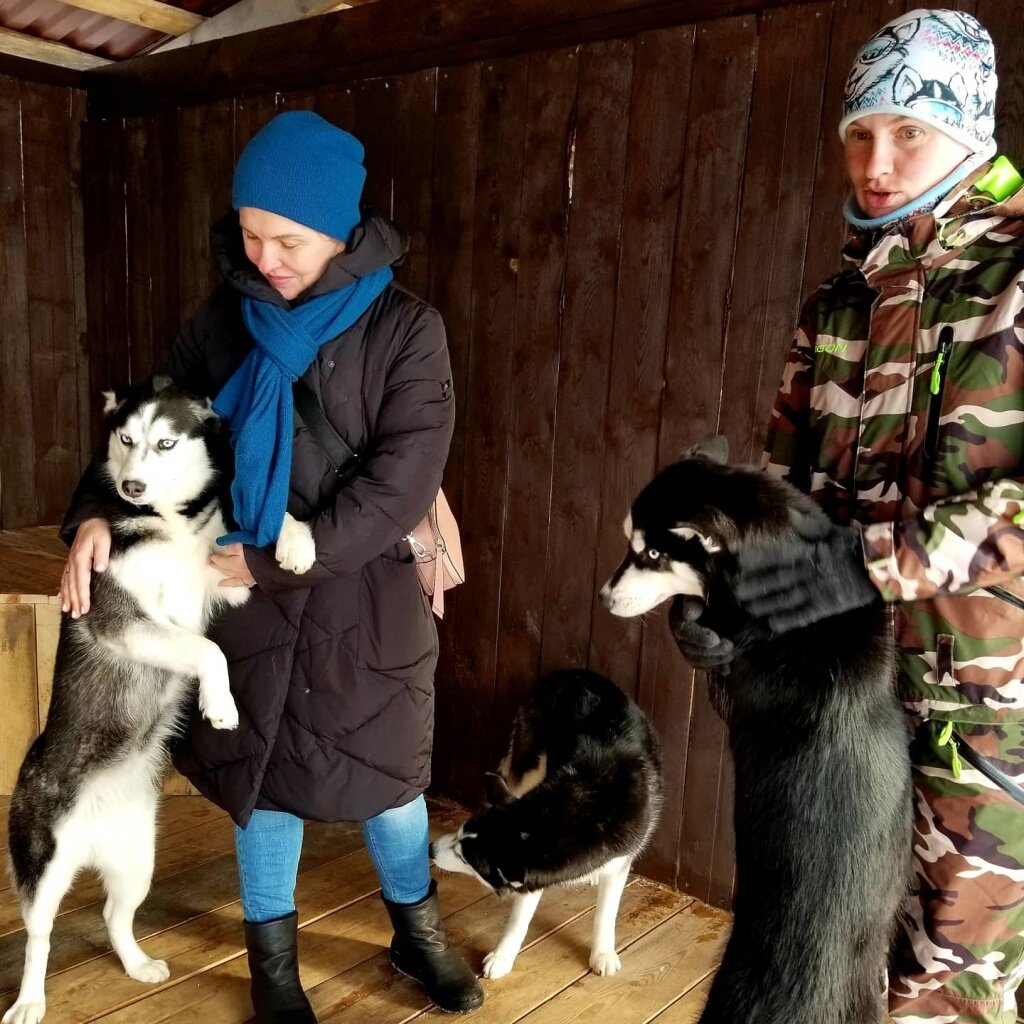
(901, 411)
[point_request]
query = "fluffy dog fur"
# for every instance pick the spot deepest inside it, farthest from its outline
(822, 808)
(575, 800)
(87, 792)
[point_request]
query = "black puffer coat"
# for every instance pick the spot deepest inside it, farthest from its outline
(333, 670)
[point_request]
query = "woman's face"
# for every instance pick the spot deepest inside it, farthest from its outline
(893, 159)
(289, 255)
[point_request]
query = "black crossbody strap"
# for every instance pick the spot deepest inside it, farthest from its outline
(343, 460)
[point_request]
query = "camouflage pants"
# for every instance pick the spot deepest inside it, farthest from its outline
(960, 955)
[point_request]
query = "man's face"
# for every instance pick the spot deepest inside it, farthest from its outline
(893, 159)
(289, 255)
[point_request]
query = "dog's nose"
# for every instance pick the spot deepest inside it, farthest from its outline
(133, 488)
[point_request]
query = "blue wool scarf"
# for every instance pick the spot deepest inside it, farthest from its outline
(257, 399)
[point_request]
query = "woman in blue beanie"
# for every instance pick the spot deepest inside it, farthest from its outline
(332, 659)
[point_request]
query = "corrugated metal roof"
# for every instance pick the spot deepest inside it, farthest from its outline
(93, 33)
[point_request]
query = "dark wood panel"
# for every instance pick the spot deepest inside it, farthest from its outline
(86, 403)
(778, 184)
(17, 69)
(456, 128)
(49, 271)
(1003, 20)
(853, 22)
(654, 172)
(251, 114)
(486, 411)
(374, 127)
(17, 466)
(203, 195)
(540, 272)
(702, 281)
(401, 36)
(412, 176)
(597, 175)
(102, 184)
(142, 217)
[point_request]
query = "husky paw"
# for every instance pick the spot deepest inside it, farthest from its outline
(498, 963)
(296, 550)
(29, 1012)
(221, 713)
(152, 972)
(605, 962)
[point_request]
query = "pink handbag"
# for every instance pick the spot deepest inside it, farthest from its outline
(437, 548)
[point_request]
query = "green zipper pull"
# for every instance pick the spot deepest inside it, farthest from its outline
(936, 385)
(955, 763)
(946, 737)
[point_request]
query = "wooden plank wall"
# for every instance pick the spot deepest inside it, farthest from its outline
(618, 234)
(45, 427)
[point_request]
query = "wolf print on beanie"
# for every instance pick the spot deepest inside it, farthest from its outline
(935, 66)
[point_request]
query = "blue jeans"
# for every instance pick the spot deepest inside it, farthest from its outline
(268, 850)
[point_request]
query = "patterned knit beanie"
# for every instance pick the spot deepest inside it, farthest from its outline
(302, 167)
(935, 66)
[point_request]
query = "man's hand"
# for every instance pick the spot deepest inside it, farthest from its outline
(702, 647)
(90, 552)
(801, 581)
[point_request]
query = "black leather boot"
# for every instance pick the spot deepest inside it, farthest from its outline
(277, 995)
(421, 950)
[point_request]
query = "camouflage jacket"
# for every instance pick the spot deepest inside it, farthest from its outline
(901, 409)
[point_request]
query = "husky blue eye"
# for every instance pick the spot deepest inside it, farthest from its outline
(126, 441)
(166, 444)
(653, 555)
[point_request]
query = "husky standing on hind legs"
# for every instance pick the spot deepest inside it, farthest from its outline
(822, 795)
(87, 792)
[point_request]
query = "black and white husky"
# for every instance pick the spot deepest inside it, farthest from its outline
(574, 800)
(822, 806)
(87, 792)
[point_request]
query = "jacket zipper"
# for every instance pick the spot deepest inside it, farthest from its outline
(931, 438)
(1007, 596)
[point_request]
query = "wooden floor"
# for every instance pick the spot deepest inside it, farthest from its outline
(668, 942)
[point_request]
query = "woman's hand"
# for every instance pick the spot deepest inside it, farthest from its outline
(90, 552)
(230, 562)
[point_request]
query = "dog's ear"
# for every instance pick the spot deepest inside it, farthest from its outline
(162, 383)
(714, 449)
(113, 400)
(809, 521)
(496, 791)
(203, 410)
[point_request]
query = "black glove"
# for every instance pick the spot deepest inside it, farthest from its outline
(802, 581)
(702, 647)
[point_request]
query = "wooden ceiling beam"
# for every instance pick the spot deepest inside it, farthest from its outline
(376, 39)
(18, 44)
(248, 16)
(151, 14)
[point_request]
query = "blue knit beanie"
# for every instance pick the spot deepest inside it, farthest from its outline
(304, 168)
